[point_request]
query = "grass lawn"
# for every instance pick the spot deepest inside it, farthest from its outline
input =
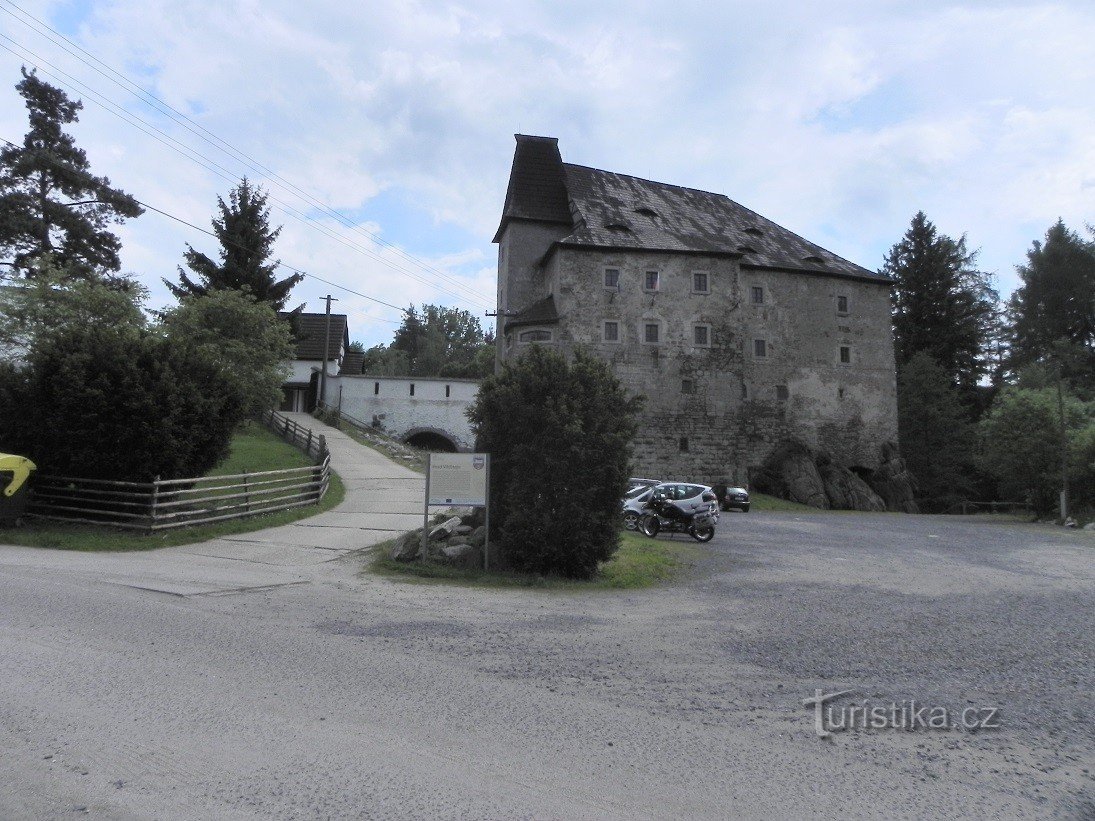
(254, 448)
(761, 501)
(640, 562)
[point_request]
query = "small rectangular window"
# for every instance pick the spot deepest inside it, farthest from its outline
(448, 391)
(683, 444)
(611, 332)
(842, 304)
(845, 355)
(701, 335)
(688, 386)
(760, 348)
(412, 389)
(699, 282)
(652, 332)
(782, 393)
(612, 277)
(376, 389)
(758, 294)
(651, 280)
(534, 336)
(744, 391)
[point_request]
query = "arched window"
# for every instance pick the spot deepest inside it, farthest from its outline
(538, 335)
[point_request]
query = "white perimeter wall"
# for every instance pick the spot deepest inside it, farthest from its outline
(389, 399)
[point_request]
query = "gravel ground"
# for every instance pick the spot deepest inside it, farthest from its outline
(357, 696)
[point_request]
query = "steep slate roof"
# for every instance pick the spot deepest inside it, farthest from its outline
(609, 210)
(308, 332)
(538, 313)
(537, 187)
(617, 210)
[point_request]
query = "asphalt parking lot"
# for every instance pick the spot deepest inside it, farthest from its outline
(346, 694)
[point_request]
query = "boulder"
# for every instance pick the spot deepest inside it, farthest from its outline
(474, 518)
(407, 547)
(791, 472)
(463, 555)
(1089, 526)
(452, 541)
(478, 537)
(893, 482)
(462, 530)
(445, 529)
(845, 490)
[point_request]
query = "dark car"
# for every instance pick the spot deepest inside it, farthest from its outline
(733, 498)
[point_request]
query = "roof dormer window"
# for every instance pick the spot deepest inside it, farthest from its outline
(646, 211)
(756, 232)
(814, 259)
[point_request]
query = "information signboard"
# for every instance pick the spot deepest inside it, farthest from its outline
(457, 479)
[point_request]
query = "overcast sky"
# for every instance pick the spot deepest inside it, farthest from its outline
(837, 120)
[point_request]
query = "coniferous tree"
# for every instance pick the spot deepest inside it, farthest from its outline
(1056, 303)
(51, 205)
(246, 245)
(942, 305)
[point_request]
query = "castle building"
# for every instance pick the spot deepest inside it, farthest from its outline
(740, 334)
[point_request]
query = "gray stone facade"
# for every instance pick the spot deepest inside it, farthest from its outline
(740, 337)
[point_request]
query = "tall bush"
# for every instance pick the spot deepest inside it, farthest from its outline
(559, 434)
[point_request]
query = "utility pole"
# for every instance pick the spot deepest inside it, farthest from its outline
(1064, 443)
(326, 351)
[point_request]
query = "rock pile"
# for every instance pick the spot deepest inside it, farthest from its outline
(457, 541)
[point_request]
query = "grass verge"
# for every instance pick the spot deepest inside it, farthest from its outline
(640, 562)
(253, 449)
(401, 454)
(762, 501)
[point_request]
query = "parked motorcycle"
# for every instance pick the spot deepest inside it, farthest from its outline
(663, 516)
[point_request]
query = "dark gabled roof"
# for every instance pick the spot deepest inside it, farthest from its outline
(537, 185)
(352, 363)
(619, 211)
(538, 313)
(308, 333)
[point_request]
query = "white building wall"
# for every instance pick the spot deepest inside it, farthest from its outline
(436, 405)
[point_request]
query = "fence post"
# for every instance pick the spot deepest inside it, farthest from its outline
(247, 491)
(308, 447)
(155, 501)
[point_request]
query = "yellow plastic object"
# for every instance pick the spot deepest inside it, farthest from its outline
(21, 466)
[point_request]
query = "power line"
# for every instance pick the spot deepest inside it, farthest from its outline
(224, 173)
(201, 132)
(279, 264)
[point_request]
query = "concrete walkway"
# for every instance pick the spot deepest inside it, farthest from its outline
(382, 500)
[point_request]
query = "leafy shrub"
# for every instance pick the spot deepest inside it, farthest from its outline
(559, 435)
(119, 403)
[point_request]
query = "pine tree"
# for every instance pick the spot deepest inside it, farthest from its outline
(53, 210)
(942, 305)
(246, 245)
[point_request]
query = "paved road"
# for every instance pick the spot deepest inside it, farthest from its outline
(350, 695)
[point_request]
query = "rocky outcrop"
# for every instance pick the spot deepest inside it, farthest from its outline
(844, 489)
(791, 473)
(893, 482)
(796, 472)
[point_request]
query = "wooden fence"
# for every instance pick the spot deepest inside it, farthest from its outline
(165, 504)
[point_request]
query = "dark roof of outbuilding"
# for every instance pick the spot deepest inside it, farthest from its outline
(352, 362)
(538, 313)
(609, 210)
(308, 333)
(617, 210)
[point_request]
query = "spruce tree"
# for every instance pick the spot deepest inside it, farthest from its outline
(942, 305)
(53, 210)
(246, 245)
(1056, 304)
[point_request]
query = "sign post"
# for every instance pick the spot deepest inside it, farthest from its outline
(457, 480)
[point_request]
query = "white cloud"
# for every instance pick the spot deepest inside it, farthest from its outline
(838, 120)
